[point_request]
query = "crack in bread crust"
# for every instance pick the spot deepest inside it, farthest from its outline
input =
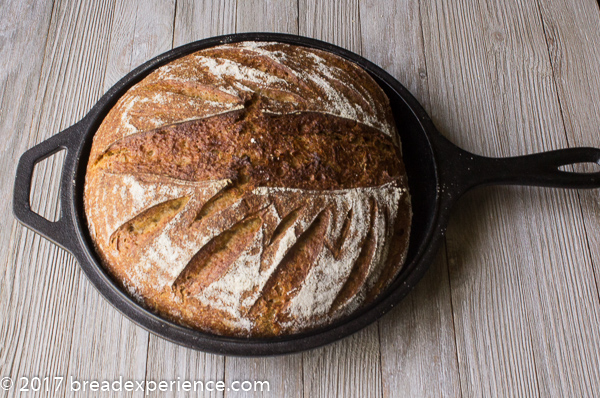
(303, 150)
(251, 189)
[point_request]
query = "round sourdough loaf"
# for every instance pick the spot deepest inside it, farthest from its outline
(250, 189)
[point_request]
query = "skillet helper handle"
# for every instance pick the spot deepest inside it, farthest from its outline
(540, 169)
(58, 231)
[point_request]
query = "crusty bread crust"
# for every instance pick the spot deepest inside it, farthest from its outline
(251, 189)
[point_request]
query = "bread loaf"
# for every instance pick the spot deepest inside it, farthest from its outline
(250, 189)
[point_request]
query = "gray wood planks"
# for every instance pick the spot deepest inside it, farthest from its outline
(197, 20)
(44, 289)
(521, 278)
(135, 36)
(24, 31)
(518, 313)
(267, 16)
(570, 28)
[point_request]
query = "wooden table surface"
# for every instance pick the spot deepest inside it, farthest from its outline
(510, 307)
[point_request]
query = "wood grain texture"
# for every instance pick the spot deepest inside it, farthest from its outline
(139, 32)
(168, 361)
(348, 368)
(23, 29)
(418, 352)
(135, 36)
(569, 27)
(511, 306)
(284, 375)
(267, 16)
(521, 276)
(44, 291)
(336, 22)
(197, 20)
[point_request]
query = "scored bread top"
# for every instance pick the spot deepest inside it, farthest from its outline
(250, 189)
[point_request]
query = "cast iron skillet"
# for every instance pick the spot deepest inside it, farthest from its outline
(438, 174)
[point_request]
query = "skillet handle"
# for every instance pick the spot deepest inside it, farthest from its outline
(541, 169)
(463, 170)
(60, 231)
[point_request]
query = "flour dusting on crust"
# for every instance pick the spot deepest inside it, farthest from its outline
(163, 227)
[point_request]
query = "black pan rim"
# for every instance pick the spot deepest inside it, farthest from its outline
(85, 253)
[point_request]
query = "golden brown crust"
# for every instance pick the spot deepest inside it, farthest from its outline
(305, 150)
(253, 189)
